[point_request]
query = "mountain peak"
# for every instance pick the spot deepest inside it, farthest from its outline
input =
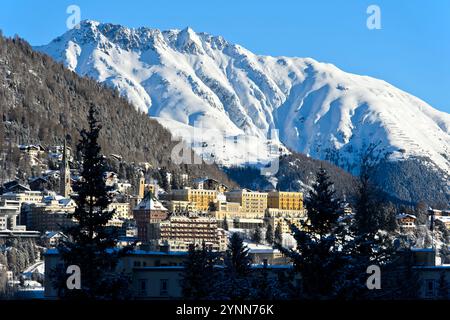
(89, 23)
(188, 41)
(190, 80)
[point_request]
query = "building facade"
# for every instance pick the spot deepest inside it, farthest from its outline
(148, 211)
(200, 197)
(285, 200)
(224, 209)
(178, 206)
(50, 215)
(284, 218)
(122, 210)
(253, 204)
(179, 232)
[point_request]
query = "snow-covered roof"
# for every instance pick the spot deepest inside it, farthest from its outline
(51, 234)
(443, 218)
(259, 248)
(150, 203)
(406, 215)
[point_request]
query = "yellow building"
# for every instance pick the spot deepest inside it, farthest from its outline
(123, 210)
(179, 206)
(222, 209)
(253, 204)
(285, 218)
(285, 200)
(200, 197)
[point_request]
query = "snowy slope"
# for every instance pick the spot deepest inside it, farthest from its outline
(227, 100)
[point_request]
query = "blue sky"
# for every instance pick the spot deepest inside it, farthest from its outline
(411, 51)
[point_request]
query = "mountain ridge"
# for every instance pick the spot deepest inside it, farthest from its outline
(195, 81)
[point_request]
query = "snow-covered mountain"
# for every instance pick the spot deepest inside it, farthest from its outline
(227, 101)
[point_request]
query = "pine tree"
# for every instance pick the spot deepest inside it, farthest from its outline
(269, 234)
(13, 260)
(371, 244)
(421, 213)
(373, 214)
(264, 287)
(175, 183)
(236, 281)
(164, 182)
(278, 234)
(318, 257)
(225, 223)
(257, 235)
(237, 257)
(322, 205)
(199, 275)
(91, 244)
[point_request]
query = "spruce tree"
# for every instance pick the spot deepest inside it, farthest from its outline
(91, 243)
(164, 182)
(237, 258)
(236, 281)
(199, 275)
(174, 183)
(265, 287)
(318, 257)
(257, 236)
(322, 205)
(225, 223)
(371, 229)
(373, 212)
(421, 212)
(278, 234)
(269, 234)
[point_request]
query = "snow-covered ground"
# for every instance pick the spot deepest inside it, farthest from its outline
(189, 80)
(39, 266)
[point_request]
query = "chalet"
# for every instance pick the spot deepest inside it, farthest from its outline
(406, 221)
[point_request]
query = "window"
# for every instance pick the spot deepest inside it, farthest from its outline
(429, 288)
(142, 287)
(164, 287)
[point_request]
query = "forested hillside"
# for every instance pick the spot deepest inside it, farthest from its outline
(296, 172)
(41, 102)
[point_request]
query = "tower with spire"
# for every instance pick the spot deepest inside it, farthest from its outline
(64, 174)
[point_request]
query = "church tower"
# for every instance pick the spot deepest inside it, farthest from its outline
(141, 186)
(64, 174)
